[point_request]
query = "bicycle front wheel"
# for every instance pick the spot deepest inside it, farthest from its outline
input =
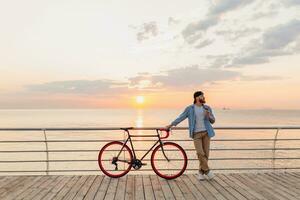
(115, 159)
(169, 160)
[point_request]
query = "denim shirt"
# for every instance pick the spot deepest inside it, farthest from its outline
(190, 114)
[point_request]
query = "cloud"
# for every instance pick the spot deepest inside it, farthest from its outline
(223, 6)
(191, 76)
(218, 61)
(281, 35)
(234, 35)
(199, 26)
(213, 16)
(276, 41)
(204, 43)
(260, 78)
(178, 78)
(79, 87)
(146, 31)
(172, 21)
(259, 15)
(291, 2)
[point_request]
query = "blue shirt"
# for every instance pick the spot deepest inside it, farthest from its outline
(190, 114)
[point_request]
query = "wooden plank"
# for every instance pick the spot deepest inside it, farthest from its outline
(212, 190)
(285, 178)
(120, 193)
(262, 186)
(228, 187)
(257, 186)
(238, 187)
(175, 189)
(184, 189)
(284, 183)
(297, 174)
(293, 179)
(94, 188)
(221, 190)
(66, 188)
(192, 187)
(32, 187)
(199, 185)
(7, 180)
(129, 192)
(138, 187)
(40, 187)
(112, 188)
(85, 188)
(283, 192)
(12, 185)
(166, 188)
(149, 194)
(244, 185)
(74, 190)
(20, 189)
(103, 188)
(47, 188)
(156, 187)
(58, 187)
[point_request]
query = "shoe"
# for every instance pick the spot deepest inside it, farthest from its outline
(210, 175)
(201, 177)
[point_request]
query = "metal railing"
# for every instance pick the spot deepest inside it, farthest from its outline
(47, 151)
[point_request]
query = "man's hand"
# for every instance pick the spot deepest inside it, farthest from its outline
(168, 126)
(207, 113)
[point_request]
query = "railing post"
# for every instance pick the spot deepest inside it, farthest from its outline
(47, 152)
(274, 149)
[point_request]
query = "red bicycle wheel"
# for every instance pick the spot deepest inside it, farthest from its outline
(172, 167)
(110, 164)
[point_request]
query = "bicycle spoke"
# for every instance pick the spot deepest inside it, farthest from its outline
(176, 164)
(112, 165)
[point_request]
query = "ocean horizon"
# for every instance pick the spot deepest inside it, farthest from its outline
(140, 117)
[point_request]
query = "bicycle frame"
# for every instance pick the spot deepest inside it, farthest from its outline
(159, 141)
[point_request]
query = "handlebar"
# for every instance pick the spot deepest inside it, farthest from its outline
(166, 130)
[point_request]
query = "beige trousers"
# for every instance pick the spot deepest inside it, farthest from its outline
(202, 142)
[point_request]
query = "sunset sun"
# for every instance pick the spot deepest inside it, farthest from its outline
(140, 99)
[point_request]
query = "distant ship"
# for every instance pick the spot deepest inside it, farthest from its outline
(224, 108)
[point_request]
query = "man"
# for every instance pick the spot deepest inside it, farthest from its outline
(200, 118)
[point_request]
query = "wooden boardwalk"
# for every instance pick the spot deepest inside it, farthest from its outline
(241, 186)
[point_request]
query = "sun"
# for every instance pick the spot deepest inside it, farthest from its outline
(139, 99)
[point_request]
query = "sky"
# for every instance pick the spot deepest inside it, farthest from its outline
(243, 54)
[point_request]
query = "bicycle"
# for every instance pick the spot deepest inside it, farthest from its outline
(116, 159)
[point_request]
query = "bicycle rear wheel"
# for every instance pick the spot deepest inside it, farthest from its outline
(115, 161)
(169, 160)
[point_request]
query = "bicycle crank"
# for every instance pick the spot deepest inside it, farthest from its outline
(137, 164)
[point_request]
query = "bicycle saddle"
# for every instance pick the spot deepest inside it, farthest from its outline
(126, 128)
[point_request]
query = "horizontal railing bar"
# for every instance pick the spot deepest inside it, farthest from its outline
(21, 161)
(191, 169)
(141, 150)
(146, 128)
(217, 140)
(95, 150)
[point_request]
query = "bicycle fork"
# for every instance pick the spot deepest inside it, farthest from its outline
(162, 148)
